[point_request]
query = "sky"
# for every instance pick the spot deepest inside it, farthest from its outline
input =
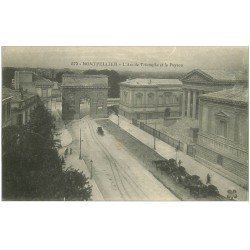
(138, 58)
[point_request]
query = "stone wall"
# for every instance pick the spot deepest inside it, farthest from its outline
(228, 164)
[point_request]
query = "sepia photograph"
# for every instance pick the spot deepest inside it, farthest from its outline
(125, 123)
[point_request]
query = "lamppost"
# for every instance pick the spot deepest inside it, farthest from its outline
(154, 135)
(176, 150)
(91, 169)
(80, 154)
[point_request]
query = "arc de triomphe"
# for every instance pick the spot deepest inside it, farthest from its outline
(76, 87)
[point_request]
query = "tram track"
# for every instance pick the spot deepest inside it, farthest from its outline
(121, 177)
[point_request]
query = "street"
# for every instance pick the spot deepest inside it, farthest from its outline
(118, 175)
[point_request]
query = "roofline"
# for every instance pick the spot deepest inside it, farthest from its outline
(86, 76)
(83, 87)
(199, 71)
(6, 98)
(223, 100)
(150, 85)
(214, 80)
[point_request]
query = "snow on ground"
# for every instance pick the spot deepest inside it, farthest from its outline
(119, 175)
(73, 159)
(65, 137)
(191, 165)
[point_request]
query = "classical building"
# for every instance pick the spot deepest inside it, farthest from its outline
(198, 82)
(223, 132)
(92, 89)
(35, 84)
(22, 103)
(6, 108)
(150, 98)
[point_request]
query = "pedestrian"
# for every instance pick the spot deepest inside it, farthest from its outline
(208, 179)
(71, 151)
(179, 163)
(66, 152)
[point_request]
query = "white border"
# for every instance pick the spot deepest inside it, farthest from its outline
(121, 225)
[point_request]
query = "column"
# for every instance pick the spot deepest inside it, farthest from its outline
(194, 105)
(183, 103)
(188, 103)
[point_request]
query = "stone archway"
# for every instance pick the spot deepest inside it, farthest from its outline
(76, 87)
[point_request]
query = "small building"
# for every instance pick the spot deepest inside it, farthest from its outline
(150, 98)
(198, 82)
(223, 132)
(22, 104)
(35, 84)
(6, 108)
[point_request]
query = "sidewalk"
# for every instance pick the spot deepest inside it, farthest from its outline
(190, 164)
(73, 160)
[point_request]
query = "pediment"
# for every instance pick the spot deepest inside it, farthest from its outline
(221, 114)
(197, 76)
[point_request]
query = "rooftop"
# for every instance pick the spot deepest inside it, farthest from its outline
(81, 80)
(152, 82)
(5, 94)
(220, 75)
(235, 95)
(16, 94)
(39, 80)
(80, 75)
(227, 75)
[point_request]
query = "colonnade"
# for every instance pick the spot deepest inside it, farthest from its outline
(189, 109)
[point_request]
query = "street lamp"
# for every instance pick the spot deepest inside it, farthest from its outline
(154, 135)
(176, 149)
(80, 154)
(91, 169)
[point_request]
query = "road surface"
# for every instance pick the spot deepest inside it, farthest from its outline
(117, 173)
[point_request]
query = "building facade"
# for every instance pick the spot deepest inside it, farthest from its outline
(198, 82)
(223, 132)
(6, 108)
(150, 98)
(22, 104)
(35, 84)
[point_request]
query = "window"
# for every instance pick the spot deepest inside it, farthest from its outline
(167, 112)
(175, 99)
(20, 119)
(151, 98)
(222, 128)
(125, 97)
(138, 98)
(220, 160)
(161, 100)
(168, 98)
(44, 93)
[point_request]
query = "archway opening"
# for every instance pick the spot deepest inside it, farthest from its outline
(84, 106)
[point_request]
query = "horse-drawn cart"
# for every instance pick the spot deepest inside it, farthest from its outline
(100, 131)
